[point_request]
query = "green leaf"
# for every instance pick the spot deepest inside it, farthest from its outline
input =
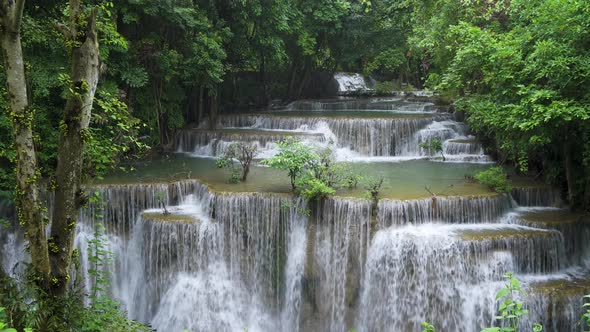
(502, 293)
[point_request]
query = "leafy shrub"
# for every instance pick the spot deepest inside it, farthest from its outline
(428, 327)
(314, 189)
(321, 176)
(433, 147)
(241, 152)
(586, 315)
(510, 310)
(4, 326)
(384, 88)
(373, 187)
(350, 179)
(494, 178)
(293, 157)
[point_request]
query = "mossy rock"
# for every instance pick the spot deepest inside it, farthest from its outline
(170, 217)
(502, 233)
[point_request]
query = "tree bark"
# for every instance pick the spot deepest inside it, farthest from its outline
(200, 106)
(213, 110)
(69, 194)
(30, 208)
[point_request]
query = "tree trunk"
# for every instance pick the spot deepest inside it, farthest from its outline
(213, 110)
(292, 81)
(69, 194)
(30, 208)
(200, 105)
(265, 95)
(305, 77)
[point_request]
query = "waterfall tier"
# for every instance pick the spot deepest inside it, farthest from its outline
(461, 210)
(435, 247)
(224, 261)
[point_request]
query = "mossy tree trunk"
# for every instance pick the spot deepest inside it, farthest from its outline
(51, 258)
(69, 195)
(30, 208)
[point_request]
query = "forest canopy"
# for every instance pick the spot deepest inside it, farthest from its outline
(519, 70)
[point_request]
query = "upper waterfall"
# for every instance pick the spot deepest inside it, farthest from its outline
(350, 83)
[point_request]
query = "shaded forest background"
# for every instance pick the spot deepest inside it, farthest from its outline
(520, 70)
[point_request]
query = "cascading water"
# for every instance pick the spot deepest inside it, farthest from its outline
(338, 242)
(356, 128)
(443, 209)
(230, 255)
(408, 271)
(350, 83)
(223, 261)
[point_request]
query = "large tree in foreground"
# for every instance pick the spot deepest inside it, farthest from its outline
(51, 257)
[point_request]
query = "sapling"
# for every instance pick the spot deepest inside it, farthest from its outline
(160, 199)
(433, 147)
(243, 154)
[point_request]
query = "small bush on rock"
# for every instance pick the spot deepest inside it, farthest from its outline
(494, 178)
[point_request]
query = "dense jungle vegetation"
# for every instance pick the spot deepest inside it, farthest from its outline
(101, 82)
(518, 69)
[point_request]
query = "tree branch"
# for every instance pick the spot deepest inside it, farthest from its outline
(74, 16)
(64, 30)
(18, 14)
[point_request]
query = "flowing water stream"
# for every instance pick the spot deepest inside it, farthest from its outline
(252, 255)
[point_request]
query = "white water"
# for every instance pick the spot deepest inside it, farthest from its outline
(255, 261)
(352, 139)
(349, 83)
(222, 271)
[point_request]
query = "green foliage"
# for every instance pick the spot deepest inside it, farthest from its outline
(519, 76)
(384, 88)
(373, 187)
(427, 327)
(510, 310)
(494, 178)
(243, 154)
(293, 156)
(586, 316)
(315, 174)
(314, 189)
(349, 179)
(113, 135)
(434, 146)
(4, 327)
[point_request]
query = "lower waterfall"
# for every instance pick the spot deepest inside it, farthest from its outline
(267, 262)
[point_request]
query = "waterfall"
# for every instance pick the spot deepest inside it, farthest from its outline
(443, 209)
(213, 143)
(380, 104)
(227, 261)
(556, 303)
(294, 271)
(370, 137)
(12, 245)
(458, 147)
(335, 266)
(536, 196)
(232, 256)
(408, 271)
(575, 228)
(350, 83)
